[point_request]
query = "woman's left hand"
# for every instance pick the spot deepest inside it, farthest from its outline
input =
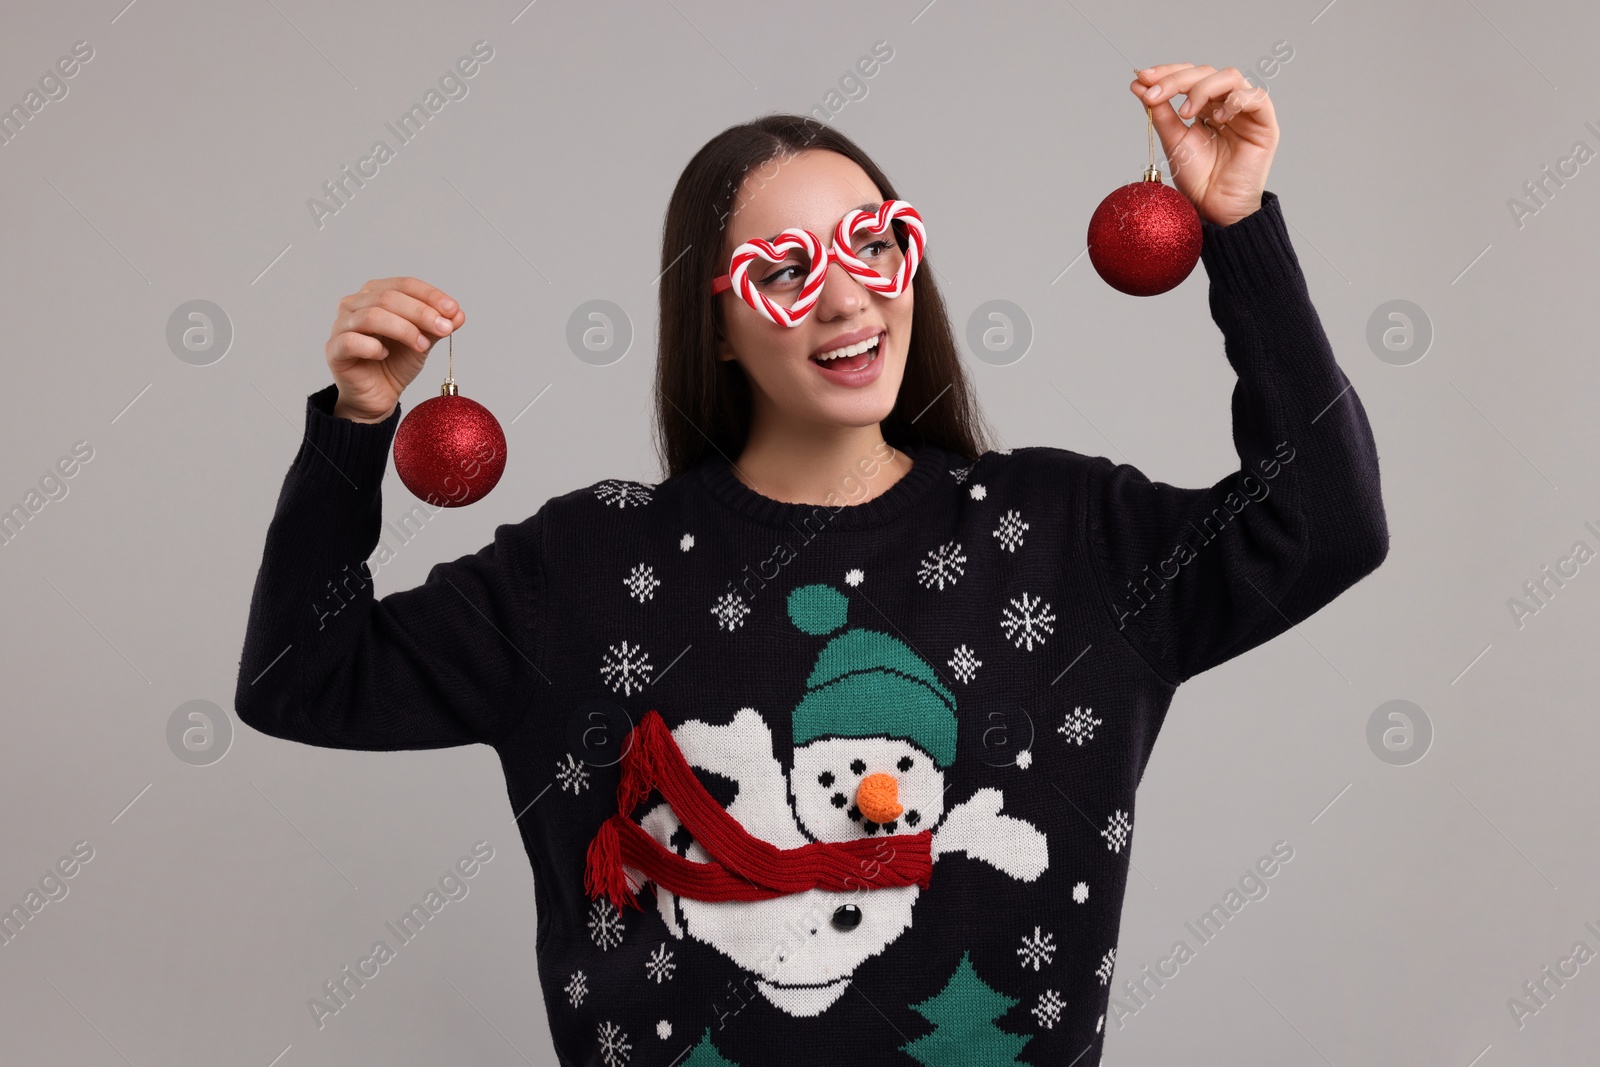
(1219, 163)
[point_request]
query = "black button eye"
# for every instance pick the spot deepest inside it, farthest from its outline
(825, 778)
(905, 763)
(858, 766)
(846, 917)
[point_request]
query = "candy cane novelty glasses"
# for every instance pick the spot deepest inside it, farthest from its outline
(788, 272)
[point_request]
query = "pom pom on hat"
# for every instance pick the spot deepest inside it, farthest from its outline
(817, 609)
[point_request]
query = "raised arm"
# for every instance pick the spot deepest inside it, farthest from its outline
(450, 662)
(1194, 577)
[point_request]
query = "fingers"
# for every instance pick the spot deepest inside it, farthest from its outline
(379, 321)
(425, 316)
(1150, 75)
(1156, 87)
(352, 345)
(430, 295)
(1215, 95)
(422, 291)
(404, 309)
(1174, 82)
(1169, 127)
(1218, 83)
(1220, 96)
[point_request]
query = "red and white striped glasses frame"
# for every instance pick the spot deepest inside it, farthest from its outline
(795, 238)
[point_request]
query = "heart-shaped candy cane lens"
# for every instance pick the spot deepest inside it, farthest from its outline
(878, 222)
(776, 252)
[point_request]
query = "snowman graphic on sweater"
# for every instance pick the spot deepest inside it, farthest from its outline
(873, 736)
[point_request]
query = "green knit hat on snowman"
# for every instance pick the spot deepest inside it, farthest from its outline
(867, 683)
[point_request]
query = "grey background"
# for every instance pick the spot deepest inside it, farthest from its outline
(177, 168)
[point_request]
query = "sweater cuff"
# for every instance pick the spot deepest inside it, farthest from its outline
(1252, 253)
(340, 451)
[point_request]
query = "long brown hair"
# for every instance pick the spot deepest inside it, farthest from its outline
(703, 403)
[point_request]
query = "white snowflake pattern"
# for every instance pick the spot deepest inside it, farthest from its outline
(978, 492)
(1025, 759)
(1118, 827)
(942, 565)
(965, 663)
(1048, 1010)
(1078, 726)
(853, 576)
(1098, 1023)
(663, 1029)
(1010, 530)
(577, 988)
(1029, 622)
(686, 542)
(660, 966)
(605, 924)
(1080, 892)
(642, 582)
(626, 667)
(730, 610)
(623, 494)
(1004, 451)
(1107, 962)
(614, 1046)
(961, 475)
(572, 774)
(1038, 949)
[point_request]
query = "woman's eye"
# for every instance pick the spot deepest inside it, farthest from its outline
(778, 276)
(876, 248)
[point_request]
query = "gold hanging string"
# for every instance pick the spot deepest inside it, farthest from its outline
(1151, 172)
(449, 386)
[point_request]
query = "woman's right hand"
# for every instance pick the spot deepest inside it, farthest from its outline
(380, 339)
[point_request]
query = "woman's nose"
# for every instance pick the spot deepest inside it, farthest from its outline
(842, 296)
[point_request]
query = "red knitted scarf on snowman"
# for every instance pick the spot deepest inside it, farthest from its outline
(743, 867)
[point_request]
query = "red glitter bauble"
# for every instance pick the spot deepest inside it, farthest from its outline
(1144, 238)
(449, 451)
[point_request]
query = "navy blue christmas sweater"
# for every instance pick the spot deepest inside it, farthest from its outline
(877, 760)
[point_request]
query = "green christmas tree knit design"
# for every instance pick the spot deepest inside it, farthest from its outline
(963, 1015)
(705, 1054)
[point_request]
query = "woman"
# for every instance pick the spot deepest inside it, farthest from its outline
(845, 716)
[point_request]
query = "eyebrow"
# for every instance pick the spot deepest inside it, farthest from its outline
(868, 206)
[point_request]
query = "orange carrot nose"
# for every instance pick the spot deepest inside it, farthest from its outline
(878, 797)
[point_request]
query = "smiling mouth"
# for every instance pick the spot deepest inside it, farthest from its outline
(852, 357)
(804, 985)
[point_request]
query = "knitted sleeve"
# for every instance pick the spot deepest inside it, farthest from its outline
(1194, 577)
(325, 662)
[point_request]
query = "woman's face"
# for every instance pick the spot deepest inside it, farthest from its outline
(813, 189)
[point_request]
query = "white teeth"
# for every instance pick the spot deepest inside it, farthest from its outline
(849, 350)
